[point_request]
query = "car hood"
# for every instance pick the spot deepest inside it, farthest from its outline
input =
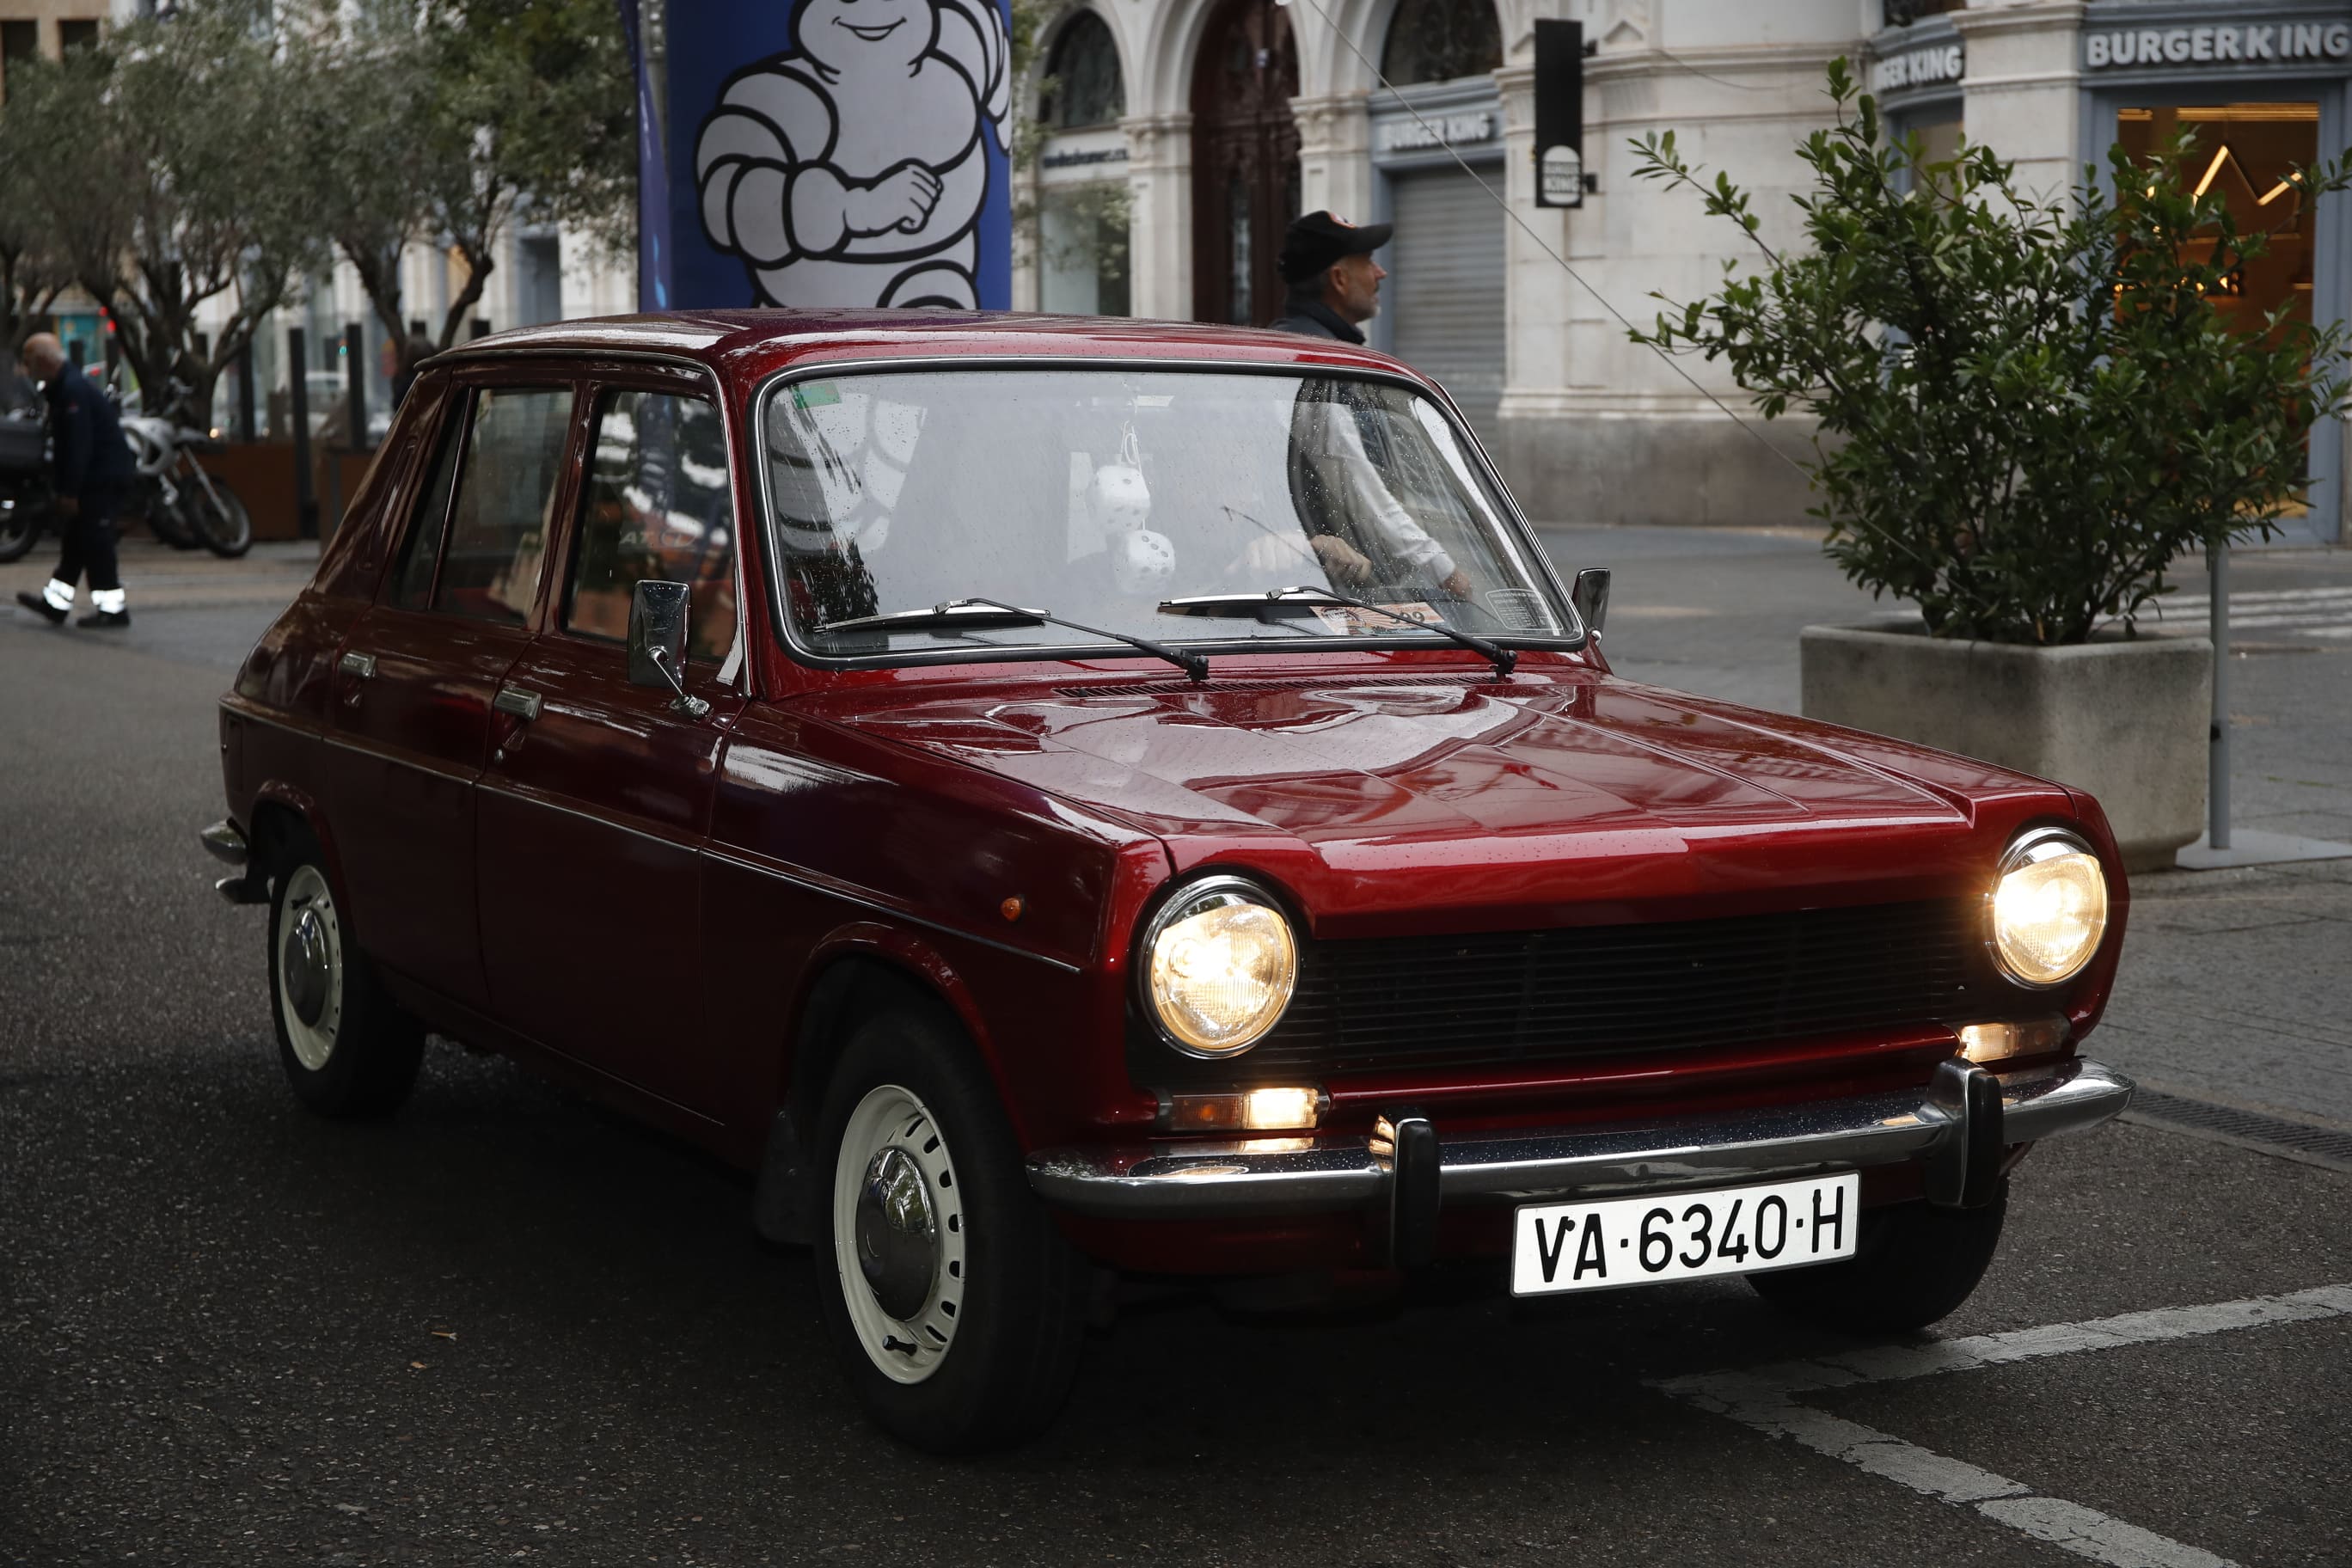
(1371, 794)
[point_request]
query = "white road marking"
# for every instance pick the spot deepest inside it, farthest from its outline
(1765, 1398)
(2300, 611)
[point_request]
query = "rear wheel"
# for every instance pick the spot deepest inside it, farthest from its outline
(957, 1309)
(347, 1050)
(1913, 1263)
(162, 517)
(219, 518)
(24, 508)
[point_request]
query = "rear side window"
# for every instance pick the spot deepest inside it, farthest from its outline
(506, 487)
(657, 506)
(411, 573)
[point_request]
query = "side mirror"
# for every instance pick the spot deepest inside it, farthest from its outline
(658, 643)
(1590, 597)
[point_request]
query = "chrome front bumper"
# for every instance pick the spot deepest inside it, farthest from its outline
(224, 841)
(1959, 1130)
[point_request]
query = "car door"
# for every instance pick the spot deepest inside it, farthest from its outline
(596, 800)
(415, 681)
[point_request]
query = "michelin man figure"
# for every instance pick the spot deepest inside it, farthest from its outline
(851, 169)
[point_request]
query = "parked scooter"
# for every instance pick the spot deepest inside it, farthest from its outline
(173, 490)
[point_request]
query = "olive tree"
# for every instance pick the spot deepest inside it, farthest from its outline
(2028, 409)
(161, 181)
(442, 123)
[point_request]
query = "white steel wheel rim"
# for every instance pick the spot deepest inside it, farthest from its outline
(308, 900)
(907, 1349)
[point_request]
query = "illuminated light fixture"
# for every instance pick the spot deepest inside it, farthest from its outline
(2211, 169)
(1219, 965)
(2282, 188)
(2047, 908)
(1983, 1043)
(1284, 1108)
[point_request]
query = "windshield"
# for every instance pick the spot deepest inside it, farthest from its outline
(1100, 496)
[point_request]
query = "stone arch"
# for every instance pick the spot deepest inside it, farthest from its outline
(1056, 34)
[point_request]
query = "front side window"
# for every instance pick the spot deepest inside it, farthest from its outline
(499, 525)
(412, 576)
(1105, 497)
(657, 506)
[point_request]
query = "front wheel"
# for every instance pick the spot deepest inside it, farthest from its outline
(1913, 1263)
(955, 1305)
(219, 518)
(348, 1051)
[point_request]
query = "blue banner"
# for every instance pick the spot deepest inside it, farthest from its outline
(829, 152)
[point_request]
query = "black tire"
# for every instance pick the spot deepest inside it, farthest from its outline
(21, 522)
(227, 529)
(347, 1050)
(1017, 1297)
(163, 520)
(1913, 1263)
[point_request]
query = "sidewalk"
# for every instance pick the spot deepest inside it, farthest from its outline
(2235, 983)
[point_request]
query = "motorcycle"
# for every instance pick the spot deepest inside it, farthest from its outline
(184, 505)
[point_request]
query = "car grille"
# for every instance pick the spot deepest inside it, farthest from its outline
(1401, 1003)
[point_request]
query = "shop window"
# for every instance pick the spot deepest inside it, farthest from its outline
(1083, 69)
(1082, 231)
(2247, 152)
(1439, 40)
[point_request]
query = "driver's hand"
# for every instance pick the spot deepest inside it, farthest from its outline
(1458, 585)
(1341, 559)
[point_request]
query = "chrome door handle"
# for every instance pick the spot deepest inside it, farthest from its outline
(361, 664)
(514, 699)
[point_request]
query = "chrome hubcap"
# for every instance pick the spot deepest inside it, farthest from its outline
(304, 963)
(310, 968)
(897, 1233)
(898, 1211)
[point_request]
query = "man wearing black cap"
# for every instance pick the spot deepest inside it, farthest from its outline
(1338, 443)
(1334, 284)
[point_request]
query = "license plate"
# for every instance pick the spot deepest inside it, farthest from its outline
(1614, 1242)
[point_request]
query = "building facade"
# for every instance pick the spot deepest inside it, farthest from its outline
(1206, 125)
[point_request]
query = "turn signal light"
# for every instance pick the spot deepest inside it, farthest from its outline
(1998, 1042)
(1281, 1110)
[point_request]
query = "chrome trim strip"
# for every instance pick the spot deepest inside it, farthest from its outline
(781, 621)
(1278, 1175)
(488, 784)
(829, 891)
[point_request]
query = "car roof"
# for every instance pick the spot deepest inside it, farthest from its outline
(746, 346)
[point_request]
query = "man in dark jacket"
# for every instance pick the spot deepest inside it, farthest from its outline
(1339, 460)
(1334, 284)
(93, 472)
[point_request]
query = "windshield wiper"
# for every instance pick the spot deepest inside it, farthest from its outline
(969, 615)
(1277, 604)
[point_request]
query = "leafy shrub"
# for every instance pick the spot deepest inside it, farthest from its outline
(2027, 408)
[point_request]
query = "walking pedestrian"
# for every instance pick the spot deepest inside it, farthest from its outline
(92, 467)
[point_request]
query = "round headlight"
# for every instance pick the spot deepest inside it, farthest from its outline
(1219, 965)
(2049, 909)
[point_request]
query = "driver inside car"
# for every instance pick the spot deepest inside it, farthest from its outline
(1365, 540)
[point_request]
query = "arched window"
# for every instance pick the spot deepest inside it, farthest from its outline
(1083, 66)
(1438, 40)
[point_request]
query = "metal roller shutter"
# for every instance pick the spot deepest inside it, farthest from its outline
(1446, 297)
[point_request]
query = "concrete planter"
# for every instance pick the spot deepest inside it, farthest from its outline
(2126, 720)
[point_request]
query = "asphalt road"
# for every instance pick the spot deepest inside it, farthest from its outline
(508, 1326)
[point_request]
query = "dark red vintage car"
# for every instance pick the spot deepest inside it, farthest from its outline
(1092, 795)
